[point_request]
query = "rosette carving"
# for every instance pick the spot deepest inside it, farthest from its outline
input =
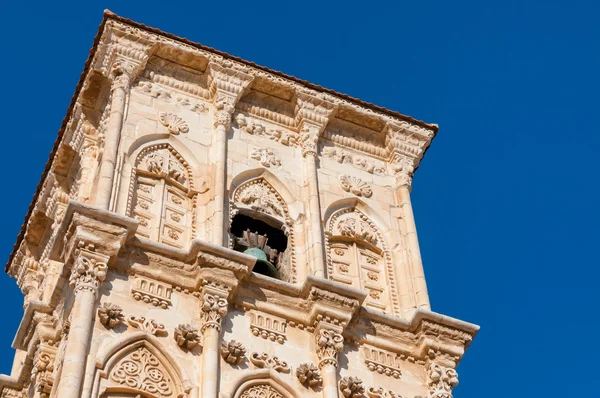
(214, 308)
(186, 336)
(233, 352)
(309, 375)
(352, 387)
(110, 315)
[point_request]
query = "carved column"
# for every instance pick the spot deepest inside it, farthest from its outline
(228, 83)
(213, 309)
(309, 138)
(404, 169)
(121, 74)
(88, 273)
(330, 343)
(222, 124)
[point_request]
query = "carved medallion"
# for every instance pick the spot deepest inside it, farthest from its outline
(356, 186)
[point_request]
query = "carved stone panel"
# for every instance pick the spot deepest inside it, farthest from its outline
(151, 291)
(141, 370)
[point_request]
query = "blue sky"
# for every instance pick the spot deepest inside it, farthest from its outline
(505, 200)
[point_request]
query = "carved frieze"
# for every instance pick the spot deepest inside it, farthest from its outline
(382, 361)
(359, 161)
(264, 360)
(152, 292)
(267, 326)
(282, 136)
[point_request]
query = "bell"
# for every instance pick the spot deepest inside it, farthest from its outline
(262, 266)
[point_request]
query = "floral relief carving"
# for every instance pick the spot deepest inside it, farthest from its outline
(361, 162)
(186, 336)
(173, 123)
(141, 370)
(441, 380)
(149, 326)
(352, 387)
(233, 352)
(263, 360)
(110, 315)
(356, 186)
(309, 375)
(198, 107)
(261, 391)
(282, 136)
(266, 157)
(154, 91)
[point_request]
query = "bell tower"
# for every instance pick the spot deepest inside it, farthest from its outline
(210, 228)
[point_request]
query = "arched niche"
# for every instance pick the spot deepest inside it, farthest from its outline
(163, 195)
(358, 254)
(262, 383)
(260, 217)
(138, 367)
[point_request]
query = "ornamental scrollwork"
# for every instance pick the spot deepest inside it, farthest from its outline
(356, 186)
(233, 352)
(214, 308)
(142, 371)
(380, 392)
(186, 336)
(264, 360)
(110, 315)
(309, 375)
(149, 326)
(441, 380)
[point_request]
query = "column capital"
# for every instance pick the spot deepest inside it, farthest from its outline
(214, 307)
(441, 380)
(89, 269)
(404, 169)
(330, 343)
(309, 138)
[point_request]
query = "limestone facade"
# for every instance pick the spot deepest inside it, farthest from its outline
(174, 163)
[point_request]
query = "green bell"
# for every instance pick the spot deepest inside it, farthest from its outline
(262, 266)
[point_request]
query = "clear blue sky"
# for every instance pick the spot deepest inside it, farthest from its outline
(505, 200)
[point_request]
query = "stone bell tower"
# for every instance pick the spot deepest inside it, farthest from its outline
(207, 227)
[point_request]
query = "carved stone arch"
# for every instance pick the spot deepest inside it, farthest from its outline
(358, 253)
(262, 383)
(163, 195)
(258, 194)
(138, 365)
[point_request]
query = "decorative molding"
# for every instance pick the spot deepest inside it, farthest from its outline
(110, 315)
(263, 360)
(352, 387)
(382, 361)
(283, 136)
(309, 375)
(141, 370)
(149, 326)
(233, 352)
(173, 123)
(359, 161)
(435, 329)
(267, 326)
(356, 186)
(186, 336)
(266, 157)
(151, 292)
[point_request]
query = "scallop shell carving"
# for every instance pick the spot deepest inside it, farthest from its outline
(173, 123)
(356, 186)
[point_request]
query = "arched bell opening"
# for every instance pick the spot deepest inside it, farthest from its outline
(264, 238)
